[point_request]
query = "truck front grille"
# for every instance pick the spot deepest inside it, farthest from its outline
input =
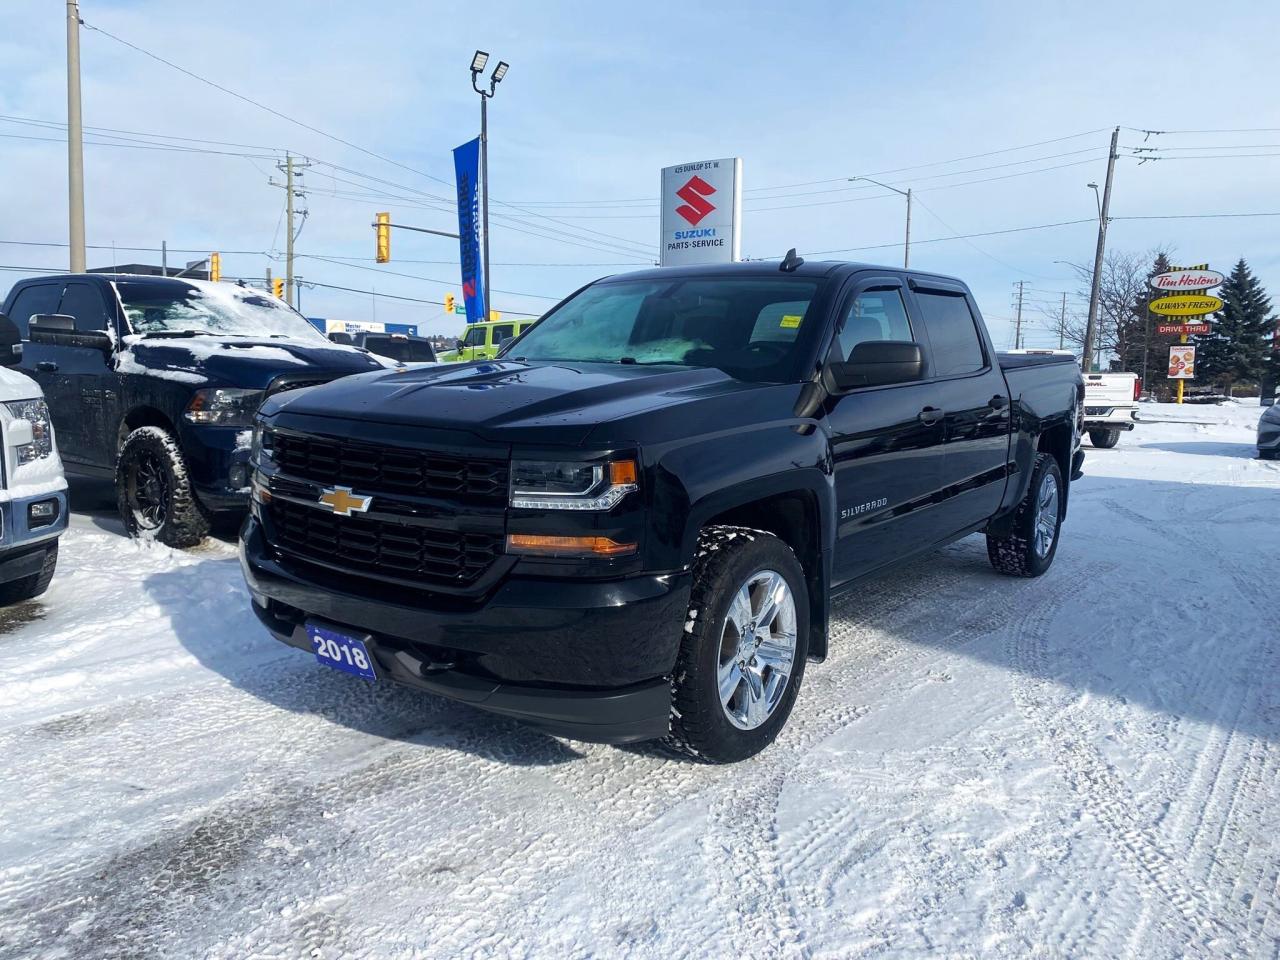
(396, 470)
(381, 548)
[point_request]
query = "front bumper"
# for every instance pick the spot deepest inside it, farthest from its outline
(218, 462)
(582, 659)
(21, 552)
(1269, 439)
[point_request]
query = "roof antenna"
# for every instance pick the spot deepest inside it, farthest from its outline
(790, 262)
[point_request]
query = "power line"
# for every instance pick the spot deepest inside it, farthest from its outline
(393, 296)
(412, 276)
(989, 233)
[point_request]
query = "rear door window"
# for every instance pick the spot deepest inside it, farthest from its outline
(503, 333)
(84, 302)
(37, 298)
(953, 333)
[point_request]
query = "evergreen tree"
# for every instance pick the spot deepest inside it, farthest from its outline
(1238, 348)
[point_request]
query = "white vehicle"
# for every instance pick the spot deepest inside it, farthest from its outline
(1110, 405)
(33, 490)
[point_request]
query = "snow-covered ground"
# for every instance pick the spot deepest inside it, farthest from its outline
(1084, 765)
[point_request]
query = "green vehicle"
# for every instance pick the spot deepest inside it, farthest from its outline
(483, 340)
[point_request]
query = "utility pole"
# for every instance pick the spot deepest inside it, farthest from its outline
(1062, 323)
(75, 141)
(1091, 328)
(1017, 329)
(164, 258)
(291, 169)
(478, 63)
(906, 245)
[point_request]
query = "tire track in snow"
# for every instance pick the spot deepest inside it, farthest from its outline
(1104, 793)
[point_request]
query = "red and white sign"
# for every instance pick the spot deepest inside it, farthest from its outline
(1186, 280)
(1182, 362)
(1182, 329)
(701, 213)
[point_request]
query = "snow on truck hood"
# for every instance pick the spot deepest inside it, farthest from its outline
(236, 361)
(15, 385)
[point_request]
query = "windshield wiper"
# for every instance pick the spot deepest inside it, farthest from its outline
(174, 334)
(631, 361)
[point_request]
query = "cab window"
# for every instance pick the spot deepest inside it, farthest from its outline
(31, 300)
(957, 349)
(85, 303)
(475, 337)
(502, 333)
(874, 315)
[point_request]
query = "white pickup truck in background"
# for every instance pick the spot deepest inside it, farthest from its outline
(1110, 405)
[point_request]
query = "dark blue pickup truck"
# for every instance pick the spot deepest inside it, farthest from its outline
(154, 381)
(630, 525)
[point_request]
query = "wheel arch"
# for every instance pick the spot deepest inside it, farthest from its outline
(794, 516)
(143, 415)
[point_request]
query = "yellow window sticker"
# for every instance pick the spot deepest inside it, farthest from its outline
(790, 321)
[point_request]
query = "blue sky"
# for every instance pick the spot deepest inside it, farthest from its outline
(600, 97)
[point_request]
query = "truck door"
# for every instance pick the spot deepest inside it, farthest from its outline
(886, 443)
(82, 391)
(970, 388)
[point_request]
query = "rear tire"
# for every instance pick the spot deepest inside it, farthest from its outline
(745, 640)
(1104, 439)
(30, 587)
(154, 491)
(1030, 547)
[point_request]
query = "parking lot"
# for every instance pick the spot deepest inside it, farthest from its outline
(1083, 764)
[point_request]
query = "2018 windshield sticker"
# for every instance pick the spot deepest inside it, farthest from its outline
(790, 321)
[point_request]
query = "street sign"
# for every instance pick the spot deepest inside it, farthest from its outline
(701, 213)
(1183, 329)
(1182, 362)
(1184, 279)
(1186, 305)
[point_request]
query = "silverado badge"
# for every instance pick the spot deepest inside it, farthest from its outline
(343, 502)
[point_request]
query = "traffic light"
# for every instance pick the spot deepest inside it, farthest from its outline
(277, 287)
(448, 303)
(382, 227)
(494, 316)
(215, 266)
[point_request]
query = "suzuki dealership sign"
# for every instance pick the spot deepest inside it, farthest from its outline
(701, 213)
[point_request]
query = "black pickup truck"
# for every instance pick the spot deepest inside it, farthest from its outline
(631, 524)
(154, 381)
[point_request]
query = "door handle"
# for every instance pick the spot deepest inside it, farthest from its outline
(930, 415)
(47, 366)
(998, 402)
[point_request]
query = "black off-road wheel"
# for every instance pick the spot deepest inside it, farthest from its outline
(30, 587)
(1029, 549)
(1104, 439)
(154, 491)
(743, 652)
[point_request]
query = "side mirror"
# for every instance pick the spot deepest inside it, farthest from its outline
(59, 330)
(10, 343)
(457, 345)
(339, 336)
(877, 363)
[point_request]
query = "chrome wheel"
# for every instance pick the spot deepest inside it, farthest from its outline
(757, 649)
(1046, 528)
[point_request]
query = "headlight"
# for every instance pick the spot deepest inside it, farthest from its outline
(37, 412)
(559, 485)
(224, 406)
(261, 448)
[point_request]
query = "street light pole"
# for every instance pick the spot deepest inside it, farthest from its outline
(906, 245)
(1104, 210)
(478, 63)
(75, 141)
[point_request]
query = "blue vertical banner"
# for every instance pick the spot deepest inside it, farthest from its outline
(466, 167)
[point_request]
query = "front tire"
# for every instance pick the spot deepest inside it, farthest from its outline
(1030, 547)
(30, 587)
(154, 492)
(743, 653)
(1104, 439)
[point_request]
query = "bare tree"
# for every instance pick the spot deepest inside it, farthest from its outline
(1122, 293)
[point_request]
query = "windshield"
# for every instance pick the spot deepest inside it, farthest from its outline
(746, 326)
(219, 309)
(401, 349)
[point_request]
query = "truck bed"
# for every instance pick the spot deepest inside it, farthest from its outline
(1017, 361)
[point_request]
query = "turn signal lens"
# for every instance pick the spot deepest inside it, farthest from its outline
(622, 472)
(543, 546)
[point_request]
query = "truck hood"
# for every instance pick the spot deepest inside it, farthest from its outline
(554, 403)
(237, 361)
